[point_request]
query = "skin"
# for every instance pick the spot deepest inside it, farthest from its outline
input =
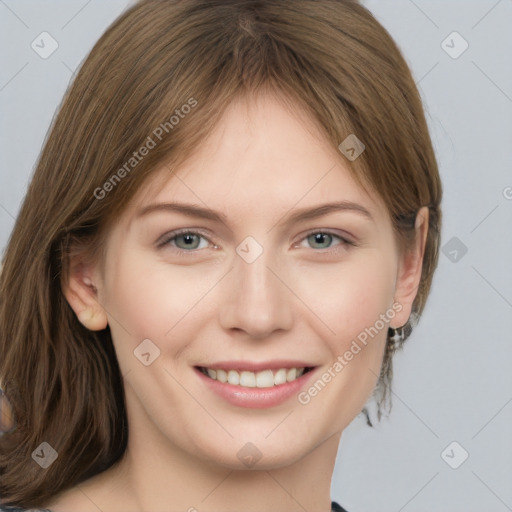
(301, 298)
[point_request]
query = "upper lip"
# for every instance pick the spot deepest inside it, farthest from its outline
(252, 366)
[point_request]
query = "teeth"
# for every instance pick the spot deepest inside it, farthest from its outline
(263, 379)
(291, 374)
(222, 376)
(233, 377)
(248, 380)
(280, 377)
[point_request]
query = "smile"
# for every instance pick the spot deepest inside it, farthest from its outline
(262, 379)
(255, 385)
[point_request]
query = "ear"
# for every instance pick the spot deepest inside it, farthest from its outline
(81, 293)
(409, 269)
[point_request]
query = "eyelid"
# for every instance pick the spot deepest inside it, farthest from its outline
(326, 231)
(168, 237)
(346, 239)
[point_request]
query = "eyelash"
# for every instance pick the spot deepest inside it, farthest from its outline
(175, 234)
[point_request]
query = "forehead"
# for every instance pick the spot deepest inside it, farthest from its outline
(264, 155)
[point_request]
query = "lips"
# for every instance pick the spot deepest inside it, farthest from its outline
(265, 378)
(256, 385)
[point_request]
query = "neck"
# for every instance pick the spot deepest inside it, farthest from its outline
(150, 476)
(155, 474)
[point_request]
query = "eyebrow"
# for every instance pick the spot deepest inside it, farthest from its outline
(302, 214)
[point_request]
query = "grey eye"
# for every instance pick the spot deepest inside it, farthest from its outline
(320, 238)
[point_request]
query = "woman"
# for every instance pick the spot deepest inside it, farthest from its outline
(232, 226)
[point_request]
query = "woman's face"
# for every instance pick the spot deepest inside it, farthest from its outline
(264, 290)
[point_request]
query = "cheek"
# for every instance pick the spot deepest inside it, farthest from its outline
(154, 300)
(350, 296)
(355, 302)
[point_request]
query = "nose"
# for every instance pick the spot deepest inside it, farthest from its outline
(256, 298)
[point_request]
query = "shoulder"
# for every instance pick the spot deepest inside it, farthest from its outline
(334, 506)
(7, 508)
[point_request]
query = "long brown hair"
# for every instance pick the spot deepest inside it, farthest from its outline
(329, 56)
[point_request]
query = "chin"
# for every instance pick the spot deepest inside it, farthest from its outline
(257, 454)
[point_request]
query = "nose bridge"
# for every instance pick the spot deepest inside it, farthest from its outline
(259, 302)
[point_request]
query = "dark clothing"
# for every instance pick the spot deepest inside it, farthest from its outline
(334, 506)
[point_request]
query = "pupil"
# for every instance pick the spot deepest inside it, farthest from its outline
(320, 238)
(188, 239)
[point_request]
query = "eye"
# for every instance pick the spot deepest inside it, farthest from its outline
(184, 241)
(187, 241)
(323, 239)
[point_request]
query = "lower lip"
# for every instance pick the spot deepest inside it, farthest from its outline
(255, 398)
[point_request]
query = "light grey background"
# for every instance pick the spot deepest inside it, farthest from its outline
(453, 380)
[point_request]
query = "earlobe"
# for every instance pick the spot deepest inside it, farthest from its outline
(410, 268)
(93, 319)
(82, 296)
